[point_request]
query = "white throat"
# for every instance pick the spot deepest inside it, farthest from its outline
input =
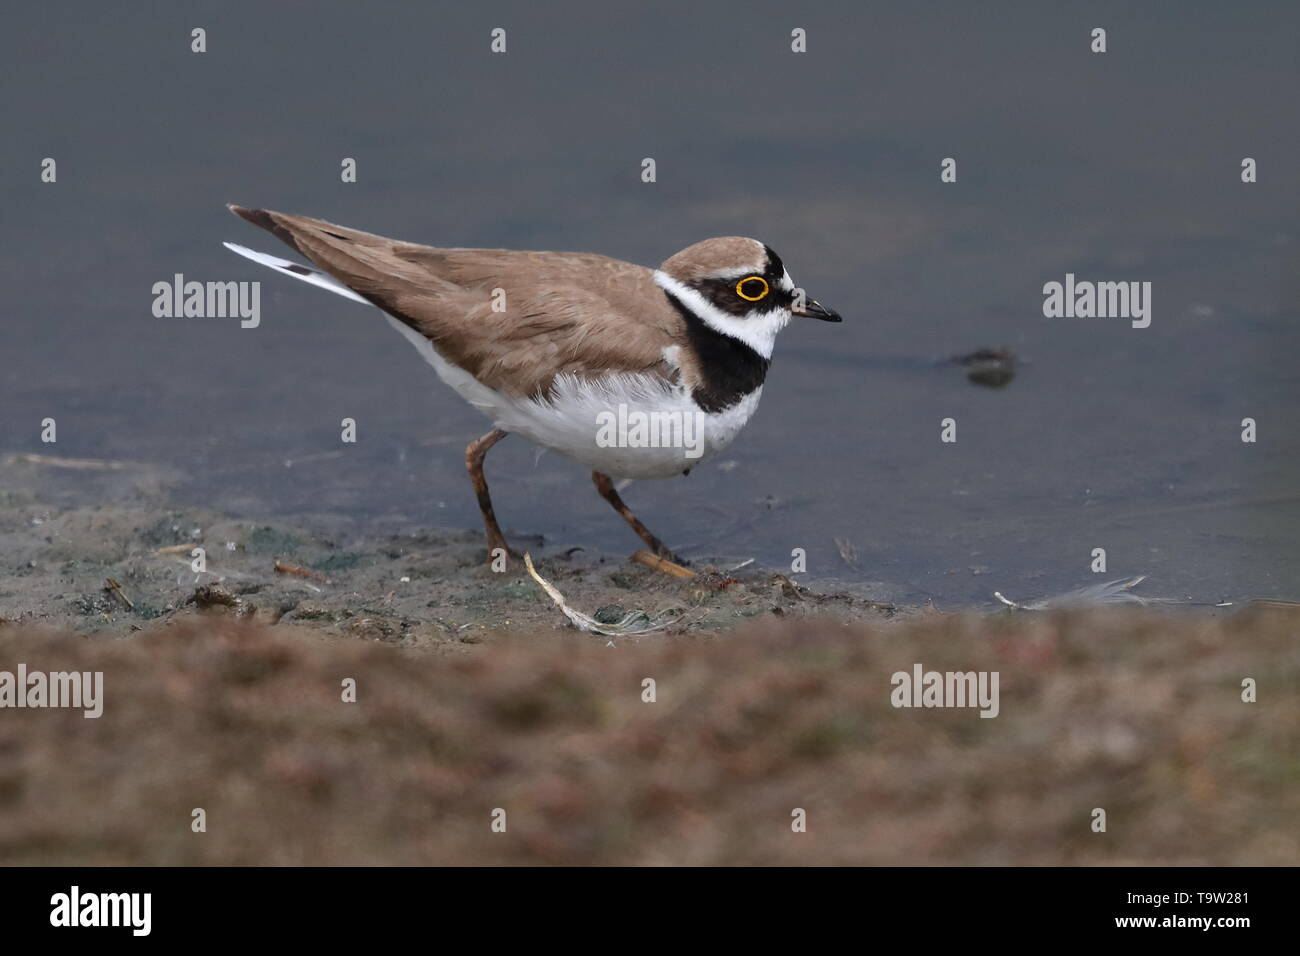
(756, 331)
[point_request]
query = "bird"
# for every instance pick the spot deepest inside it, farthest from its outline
(573, 351)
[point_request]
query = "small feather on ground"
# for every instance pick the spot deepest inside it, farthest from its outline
(634, 622)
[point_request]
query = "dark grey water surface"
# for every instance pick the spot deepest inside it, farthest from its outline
(1122, 166)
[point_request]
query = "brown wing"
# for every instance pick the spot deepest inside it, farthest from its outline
(571, 313)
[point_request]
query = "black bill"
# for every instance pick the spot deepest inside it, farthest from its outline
(815, 310)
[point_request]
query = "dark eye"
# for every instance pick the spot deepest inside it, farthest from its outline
(752, 288)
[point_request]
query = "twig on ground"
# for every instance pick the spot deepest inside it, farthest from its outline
(298, 572)
(115, 589)
(178, 548)
(80, 464)
(662, 564)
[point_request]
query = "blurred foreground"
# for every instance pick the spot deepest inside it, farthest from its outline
(1133, 711)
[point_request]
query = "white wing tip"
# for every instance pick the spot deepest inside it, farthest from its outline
(306, 274)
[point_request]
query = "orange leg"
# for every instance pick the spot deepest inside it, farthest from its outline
(606, 488)
(474, 455)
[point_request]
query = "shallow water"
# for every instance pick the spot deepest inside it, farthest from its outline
(1122, 167)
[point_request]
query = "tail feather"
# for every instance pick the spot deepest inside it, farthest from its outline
(264, 219)
(371, 265)
(313, 276)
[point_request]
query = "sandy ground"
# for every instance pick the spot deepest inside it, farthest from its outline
(408, 587)
(223, 691)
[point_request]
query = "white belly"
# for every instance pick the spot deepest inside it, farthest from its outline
(627, 426)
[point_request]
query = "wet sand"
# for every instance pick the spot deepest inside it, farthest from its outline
(222, 691)
(403, 585)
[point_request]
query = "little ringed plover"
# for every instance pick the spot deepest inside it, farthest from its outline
(557, 346)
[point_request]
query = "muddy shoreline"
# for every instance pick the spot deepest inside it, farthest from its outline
(118, 569)
(222, 691)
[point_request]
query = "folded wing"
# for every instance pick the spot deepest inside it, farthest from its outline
(514, 320)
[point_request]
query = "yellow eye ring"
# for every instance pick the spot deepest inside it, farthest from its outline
(740, 288)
